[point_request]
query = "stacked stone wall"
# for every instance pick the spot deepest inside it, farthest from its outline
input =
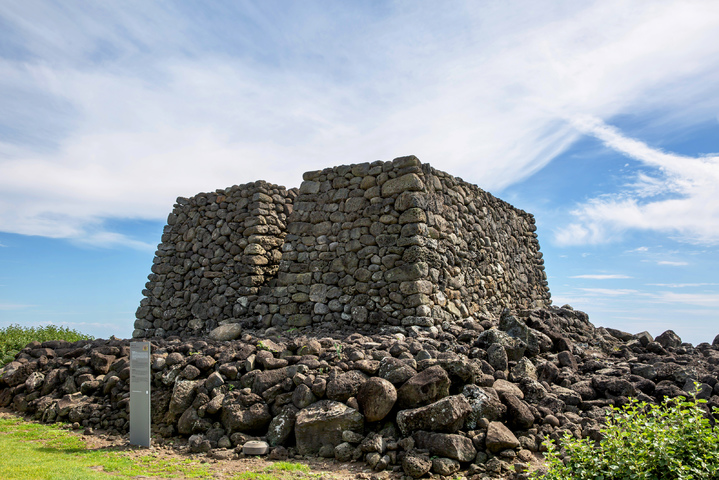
(218, 249)
(376, 246)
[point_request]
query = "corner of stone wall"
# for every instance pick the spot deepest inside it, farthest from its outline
(348, 255)
(218, 251)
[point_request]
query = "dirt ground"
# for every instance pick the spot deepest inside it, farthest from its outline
(321, 469)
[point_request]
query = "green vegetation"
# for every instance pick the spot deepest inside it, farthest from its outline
(37, 451)
(642, 441)
(14, 338)
(47, 452)
(278, 471)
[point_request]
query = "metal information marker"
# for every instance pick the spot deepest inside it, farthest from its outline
(140, 393)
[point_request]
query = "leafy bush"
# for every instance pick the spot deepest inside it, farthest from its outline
(674, 440)
(14, 338)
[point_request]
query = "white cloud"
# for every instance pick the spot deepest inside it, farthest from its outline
(601, 276)
(118, 110)
(672, 263)
(682, 199)
(14, 306)
(698, 299)
(682, 285)
(611, 292)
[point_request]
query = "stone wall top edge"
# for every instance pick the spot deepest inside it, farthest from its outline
(181, 201)
(396, 163)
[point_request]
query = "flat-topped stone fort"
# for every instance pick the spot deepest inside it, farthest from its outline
(382, 246)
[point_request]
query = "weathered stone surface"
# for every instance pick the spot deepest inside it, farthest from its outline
(416, 465)
(503, 386)
(395, 371)
(345, 385)
(282, 426)
(518, 412)
(445, 466)
(446, 415)
(447, 445)
(484, 403)
(406, 183)
(229, 331)
(424, 388)
(376, 398)
(182, 396)
(187, 421)
(499, 438)
(243, 417)
(322, 423)
(669, 339)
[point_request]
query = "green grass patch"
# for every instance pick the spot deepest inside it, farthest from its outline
(14, 338)
(278, 471)
(34, 451)
(48, 452)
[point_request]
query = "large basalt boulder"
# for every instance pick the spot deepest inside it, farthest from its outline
(669, 339)
(345, 385)
(187, 421)
(322, 423)
(282, 426)
(535, 341)
(229, 331)
(416, 465)
(424, 388)
(514, 347)
(460, 369)
(518, 412)
(100, 362)
(499, 438)
(183, 394)
(447, 445)
(244, 412)
(395, 370)
(269, 378)
(484, 403)
(15, 373)
(376, 398)
(446, 415)
(252, 419)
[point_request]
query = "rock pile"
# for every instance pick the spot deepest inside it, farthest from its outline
(477, 396)
(373, 247)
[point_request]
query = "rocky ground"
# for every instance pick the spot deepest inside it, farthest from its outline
(476, 399)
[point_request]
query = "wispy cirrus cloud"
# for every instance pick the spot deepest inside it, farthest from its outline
(679, 198)
(672, 263)
(611, 292)
(14, 306)
(601, 276)
(117, 110)
(698, 299)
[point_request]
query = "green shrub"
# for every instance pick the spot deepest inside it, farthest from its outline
(14, 338)
(674, 440)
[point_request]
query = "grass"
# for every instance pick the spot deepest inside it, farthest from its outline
(13, 338)
(278, 471)
(34, 451)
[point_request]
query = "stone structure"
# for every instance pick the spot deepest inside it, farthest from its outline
(382, 246)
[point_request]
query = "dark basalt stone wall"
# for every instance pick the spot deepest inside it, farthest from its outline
(373, 247)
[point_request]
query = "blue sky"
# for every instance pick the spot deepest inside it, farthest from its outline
(601, 118)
